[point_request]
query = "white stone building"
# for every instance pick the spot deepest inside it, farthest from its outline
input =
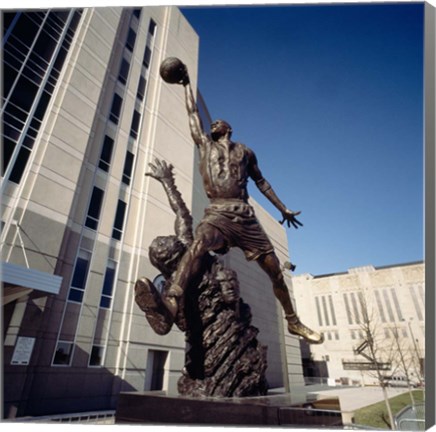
(84, 113)
(393, 297)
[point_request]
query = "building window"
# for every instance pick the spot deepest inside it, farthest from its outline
(332, 310)
(97, 354)
(318, 311)
(128, 167)
(347, 308)
(137, 12)
(80, 275)
(108, 286)
(114, 115)
(324, 308)
(119, 220)
(415, 302)
(35, 45)
(141, 88)
(19, 165)
(94, 208)
(124, 71)
(388, 305)
(135, 124)
(147, 57)
(355, 308)
(131, 37)
(106, 153)
(63, 353)
(396, 304)
(380, 306)
(152, 27)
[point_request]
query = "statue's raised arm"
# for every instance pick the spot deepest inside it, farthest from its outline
(173, 71)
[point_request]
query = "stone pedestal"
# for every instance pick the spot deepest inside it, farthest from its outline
(160, 408)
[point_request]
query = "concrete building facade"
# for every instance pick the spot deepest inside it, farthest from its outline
(85, 112)
(389, 300)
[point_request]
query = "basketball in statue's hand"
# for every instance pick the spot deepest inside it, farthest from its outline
(173, 71)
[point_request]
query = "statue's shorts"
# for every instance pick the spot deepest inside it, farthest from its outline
(236, 220)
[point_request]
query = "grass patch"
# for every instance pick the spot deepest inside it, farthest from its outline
(376, 415)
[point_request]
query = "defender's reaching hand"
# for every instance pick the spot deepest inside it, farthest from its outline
(160, 170)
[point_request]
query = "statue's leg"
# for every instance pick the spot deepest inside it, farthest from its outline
(271, 265)
(207, 238)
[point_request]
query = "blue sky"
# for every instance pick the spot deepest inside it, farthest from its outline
(330, 98)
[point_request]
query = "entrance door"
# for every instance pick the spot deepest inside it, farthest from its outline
(155, 373)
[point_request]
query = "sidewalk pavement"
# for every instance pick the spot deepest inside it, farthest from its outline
(353, 398)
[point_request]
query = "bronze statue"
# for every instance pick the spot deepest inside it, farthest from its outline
(223, 358)
(229, 221)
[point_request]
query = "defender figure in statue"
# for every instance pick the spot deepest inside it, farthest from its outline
(229, 221)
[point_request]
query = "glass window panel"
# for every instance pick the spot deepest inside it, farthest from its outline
(25, 30)
(105, 302)
(8, 149)
(128, 167)
(63, 353)
(24, 94)
(124, 71)
(106, 153)
(119, 217)
(20, 165)
(135, 124)
(119, 220)
(108, 283)
(147, 56)
(131, 37)
(75, 295)
(80, 272)
(94, 208)
(141, 88)
(45, 45)
(96, 358)
(152, 27)
(116, 108)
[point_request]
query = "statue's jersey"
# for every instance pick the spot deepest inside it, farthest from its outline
(225, 170)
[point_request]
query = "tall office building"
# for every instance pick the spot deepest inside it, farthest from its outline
(386, 304)
(84, 112)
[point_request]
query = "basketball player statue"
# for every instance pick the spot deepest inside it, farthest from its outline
(229, 221)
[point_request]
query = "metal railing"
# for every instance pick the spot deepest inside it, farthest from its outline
(411, 418)
(93, 417)
(293, 416)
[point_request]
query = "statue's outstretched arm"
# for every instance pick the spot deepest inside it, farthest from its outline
(263, 185)
(163, 172)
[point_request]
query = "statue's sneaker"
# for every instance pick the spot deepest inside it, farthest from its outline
(296, 327)
(149, 300)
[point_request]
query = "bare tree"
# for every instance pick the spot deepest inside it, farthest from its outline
(375, 348)
(404, 357)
